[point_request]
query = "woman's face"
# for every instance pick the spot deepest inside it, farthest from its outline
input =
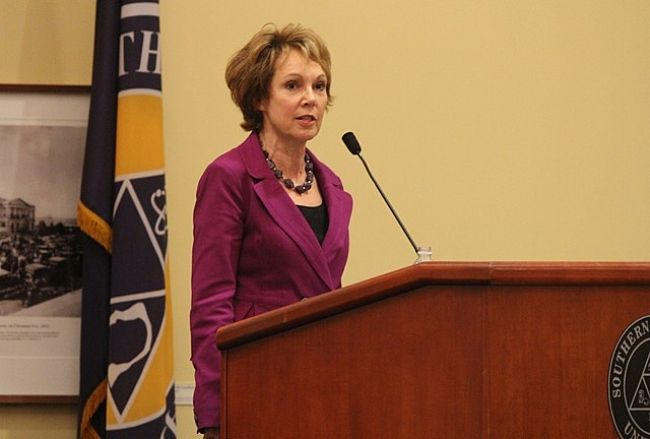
(294, 109)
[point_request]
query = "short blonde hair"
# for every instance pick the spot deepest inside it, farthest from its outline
(250, 70)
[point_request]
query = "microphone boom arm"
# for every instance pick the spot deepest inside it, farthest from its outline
(390, 206)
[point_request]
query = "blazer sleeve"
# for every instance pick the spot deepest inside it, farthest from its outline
(218, 226)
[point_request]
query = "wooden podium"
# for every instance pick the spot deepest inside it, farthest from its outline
(437, 350)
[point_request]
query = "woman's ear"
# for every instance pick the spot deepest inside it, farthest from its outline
(260, 105)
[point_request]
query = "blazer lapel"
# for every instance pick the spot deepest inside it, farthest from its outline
(339, 206)
(283, 211)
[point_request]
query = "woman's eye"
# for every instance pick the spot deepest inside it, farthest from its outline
(291, 85)
(320, 86)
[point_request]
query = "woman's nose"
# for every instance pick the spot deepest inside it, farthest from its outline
(308, 97)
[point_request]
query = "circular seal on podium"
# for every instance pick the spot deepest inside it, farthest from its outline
(629, 381)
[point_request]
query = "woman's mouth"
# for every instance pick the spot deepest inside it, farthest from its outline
(306, 120)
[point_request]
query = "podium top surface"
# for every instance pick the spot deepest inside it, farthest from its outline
(432, 273)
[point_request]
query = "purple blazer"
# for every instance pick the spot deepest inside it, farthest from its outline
(254, 251)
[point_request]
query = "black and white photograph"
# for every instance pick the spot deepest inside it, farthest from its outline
(42, 139)
(40, 249)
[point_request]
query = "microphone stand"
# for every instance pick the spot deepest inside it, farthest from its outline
(424, 254)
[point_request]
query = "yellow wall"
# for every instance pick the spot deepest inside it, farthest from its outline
(46, 41)
(501, 130)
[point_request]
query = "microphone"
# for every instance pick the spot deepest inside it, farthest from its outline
(354, 147)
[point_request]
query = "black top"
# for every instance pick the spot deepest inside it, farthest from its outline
(317, 218)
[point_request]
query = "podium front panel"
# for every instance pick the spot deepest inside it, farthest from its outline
(469, 351)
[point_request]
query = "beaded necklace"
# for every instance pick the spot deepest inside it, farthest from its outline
(287, 182)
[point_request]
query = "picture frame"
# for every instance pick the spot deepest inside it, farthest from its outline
(42, 142)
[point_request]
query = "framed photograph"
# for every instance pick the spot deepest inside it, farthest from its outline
(42, 140)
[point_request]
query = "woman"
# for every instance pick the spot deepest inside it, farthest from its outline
(270, 220)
